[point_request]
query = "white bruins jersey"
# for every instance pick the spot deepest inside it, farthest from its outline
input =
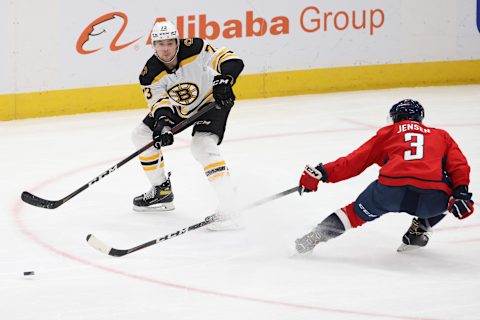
(189, 86)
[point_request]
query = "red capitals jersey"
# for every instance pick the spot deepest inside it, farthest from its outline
(409, 153)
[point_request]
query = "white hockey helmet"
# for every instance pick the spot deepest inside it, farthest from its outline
(163, 31)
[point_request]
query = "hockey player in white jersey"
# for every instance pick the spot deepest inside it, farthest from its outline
(181, 77)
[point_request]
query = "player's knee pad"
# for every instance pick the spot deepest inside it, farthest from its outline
(141, 135)
(204, 148)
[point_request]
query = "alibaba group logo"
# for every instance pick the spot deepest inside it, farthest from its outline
(99, 31)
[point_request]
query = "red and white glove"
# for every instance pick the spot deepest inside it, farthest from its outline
(461, 203)
(310, 178)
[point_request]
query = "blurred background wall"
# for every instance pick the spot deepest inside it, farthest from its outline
(63, 57)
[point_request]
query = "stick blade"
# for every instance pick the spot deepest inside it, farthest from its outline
(101, 246)
(33, 200)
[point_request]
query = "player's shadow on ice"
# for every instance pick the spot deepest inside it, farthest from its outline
(428, 260)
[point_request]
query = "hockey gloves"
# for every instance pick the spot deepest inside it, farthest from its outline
(222, 91)
(162, 139)
(310, 178)
(460, 202)
(162, 134)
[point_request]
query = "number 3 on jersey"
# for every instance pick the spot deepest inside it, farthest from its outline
(416, 145)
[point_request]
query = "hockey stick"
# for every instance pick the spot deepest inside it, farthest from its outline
(104, 248)
(53, 204)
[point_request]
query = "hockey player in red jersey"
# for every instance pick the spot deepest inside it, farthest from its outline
(423, 173)
(181, 77)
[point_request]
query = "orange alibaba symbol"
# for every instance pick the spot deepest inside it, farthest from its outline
(95, 31)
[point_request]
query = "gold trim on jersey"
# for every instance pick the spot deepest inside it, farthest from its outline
(218, 57)
(159, 76)
(225, 57)
(163, 102)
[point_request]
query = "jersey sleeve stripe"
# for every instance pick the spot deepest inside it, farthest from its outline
(227, 56)
(217, 58)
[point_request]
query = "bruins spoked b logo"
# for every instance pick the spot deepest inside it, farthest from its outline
(184, 93)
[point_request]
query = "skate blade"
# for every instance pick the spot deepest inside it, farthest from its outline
(156, 208)
(406, 247)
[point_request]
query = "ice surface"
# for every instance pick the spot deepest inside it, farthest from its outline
(229, 275)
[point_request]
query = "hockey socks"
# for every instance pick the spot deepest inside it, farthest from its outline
(331, 227)
(338, 222)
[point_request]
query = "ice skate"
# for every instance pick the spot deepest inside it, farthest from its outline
(331, 227)
(306, 243)
(416, 237)
(159, 198)
(225, 223)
